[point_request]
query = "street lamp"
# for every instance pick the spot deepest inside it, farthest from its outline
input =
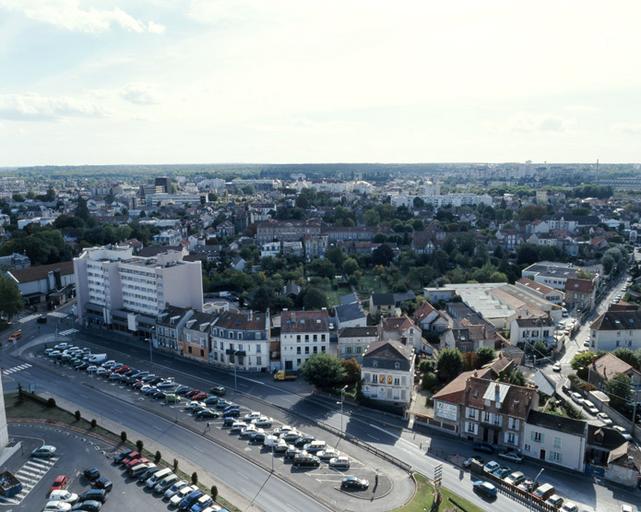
(239, 353)
(341, 404)
(151, 341)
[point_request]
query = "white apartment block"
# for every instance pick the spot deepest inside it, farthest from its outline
(116, 289)
(387, 371)
(616, 329)
(241, 339)
(302, 334)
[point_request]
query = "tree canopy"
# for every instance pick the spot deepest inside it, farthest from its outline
(323, 371)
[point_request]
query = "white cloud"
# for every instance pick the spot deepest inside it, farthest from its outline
(70, 15)
(529, 123)
(627, 128)
(140, 94)
(34, 107)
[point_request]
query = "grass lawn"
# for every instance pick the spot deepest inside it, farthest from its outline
(424, 497)
(371, 283)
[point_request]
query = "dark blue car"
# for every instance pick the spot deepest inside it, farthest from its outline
(190, 499)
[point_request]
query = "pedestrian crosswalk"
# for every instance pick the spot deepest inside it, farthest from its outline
(28, 318)
(68, 332)
(29, 475)
(18, 368)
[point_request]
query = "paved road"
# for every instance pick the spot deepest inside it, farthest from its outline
(234, 471)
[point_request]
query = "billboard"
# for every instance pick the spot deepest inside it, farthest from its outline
(446, 411)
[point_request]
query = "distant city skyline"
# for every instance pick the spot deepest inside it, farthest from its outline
(294, 81)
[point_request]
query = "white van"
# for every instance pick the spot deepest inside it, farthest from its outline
(157, 477)
(315, 446)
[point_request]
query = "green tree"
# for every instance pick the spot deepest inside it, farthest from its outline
(619, 390)
(484, 355)
(449, 364)
(514, 376)
(323, 371)
(350, 266)
(10, 298)
(314, 298)
(581, 362)
(429, 381)
(81, 209)
(382, 255)
(352, 371)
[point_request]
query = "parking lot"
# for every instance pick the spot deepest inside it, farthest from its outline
(74, 453)
(324, 479)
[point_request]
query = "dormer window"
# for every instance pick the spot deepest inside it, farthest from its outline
(397, 366)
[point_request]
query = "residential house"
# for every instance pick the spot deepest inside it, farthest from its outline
(353, 341)
(169, 327)
(315, 246)
(618, 459)
(238, 263)
(580, 293)
(241, 339)
(49, 285)
(302, 334)
(423, 242)
(170, 237)
(527, 331)
(387, 372)
(270, 249)
(608, 366)
(382, 303)
(550, 273)
(350, 315)
(616, 329)
(194, 342)
(555, 439)
(431, 320)
(403, 329)
(468, 331)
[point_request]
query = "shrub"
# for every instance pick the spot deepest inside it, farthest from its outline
(140, 445)
(157, 456)
(93, 423)
(175, 465)
(123, 436)
(194, 478)
(214, 491)
(51, 403)
(77, 415)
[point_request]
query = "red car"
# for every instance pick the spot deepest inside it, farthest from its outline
(135, 462)
(193, 393)
(138, 384)
(124, 368)
(199, 396)
(59, 483)
(130, 456)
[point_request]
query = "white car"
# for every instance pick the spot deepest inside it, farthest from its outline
(57, 506)
(604, 418)
(254, 415)
(340, 462)
(184, 491)
(623, 432)
(511, 455)
(592, 410)
(63, 495)
(174, 489)
(576, 397)
(569, 506)
(556, 367)
(92, 368)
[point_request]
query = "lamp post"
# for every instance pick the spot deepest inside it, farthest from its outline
(341, 404)
(235, 353)
(151, 342)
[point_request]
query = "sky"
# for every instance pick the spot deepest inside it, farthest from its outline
(285, 81)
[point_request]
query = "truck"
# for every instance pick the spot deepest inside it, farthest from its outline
(9, 485)
(97, 358)
(15, 335)
(281, 375)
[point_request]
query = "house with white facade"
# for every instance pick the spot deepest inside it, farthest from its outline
(303, 334)
(387, 372)
(241, 339)
(527, 331)
(403, 329)
(353, 341)
(616, 329)
(556, 440)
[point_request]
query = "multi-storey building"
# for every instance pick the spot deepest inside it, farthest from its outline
(616, 329)
(194, 338)
(387, 372)
(302, 334)
(169, 327)
(272, 230)
(353, 341)
(126, 292)
(241, 339)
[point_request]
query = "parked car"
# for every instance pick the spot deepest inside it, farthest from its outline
(491, 466)
(514, 478)
(483, 447)
(468, 462)
(63, 495)
(543, 491)
(190, 499)
(485, 489)
(59, 483)
(263, 422)
(201, 503)
(576, 397)
(94, 495)
(501, 472)
(556, 367)
(604, 418)
(217, 390)
(175, 500)
(327, 454)
(88, 506)
(173, 490)
(91, 474)
(44, 452)
(354, 483)
(164, 484)
(569, 506)
(56, 506)
(511, 455)
(305, 460)
(340, 462)
(103, 483)
(555, 500)
(206, 414)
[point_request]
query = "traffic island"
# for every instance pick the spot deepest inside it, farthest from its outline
(424, 499)
(376, 490)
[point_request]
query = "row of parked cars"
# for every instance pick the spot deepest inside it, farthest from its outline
(61, 499)
(302, 450)
(544, 492)
(165, 484)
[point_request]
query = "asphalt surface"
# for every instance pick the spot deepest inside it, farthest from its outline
(75, 453)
